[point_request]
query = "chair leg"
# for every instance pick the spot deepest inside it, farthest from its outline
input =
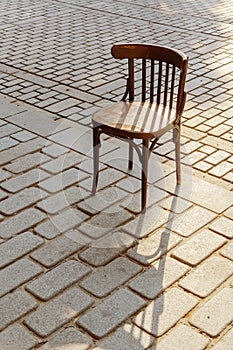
(96, 147)
(130, 164)
(176, 136)
(145, 157)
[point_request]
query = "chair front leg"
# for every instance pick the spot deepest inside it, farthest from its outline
(176, 138)
(96, 147)
(130, 164)
(145, 157)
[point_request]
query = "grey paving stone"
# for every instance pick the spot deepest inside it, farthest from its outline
(8, 129)
(60, 223)
(127, 337)
(21, 150)
(20, 222)
(107, 248)
(4, 175)
(55, 150)
(15, 305)
(80, 95)
(63, 162)
(8, 109)
(24, 135)
(3, 194)
(12, 276)
(153, 247)
(17, 247)
(198, 216)
(7, 142)
(69, 337)
(112, 311)
(57, 312)
(17, 337)
(182, 337)
(158, 277)
(21, 200)
(61, 105)
(225, 342)
(27, 179)
(36, 122)
(224, 226)
(61, 200)
(27, 162)
(163, 313)
(215, 314)
(198, 247)
(105, 279)
(56, 250)
(60, 181)
(72, 137)
(227, 251)
(57, 279)
(207, 276)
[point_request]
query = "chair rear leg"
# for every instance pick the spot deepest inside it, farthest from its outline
(96, 147)
(145, 157)
(176, 137)
(130, 163)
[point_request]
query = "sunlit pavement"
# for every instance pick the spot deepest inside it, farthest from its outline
(81, 272)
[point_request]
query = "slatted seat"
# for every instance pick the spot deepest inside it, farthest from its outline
(145, 119)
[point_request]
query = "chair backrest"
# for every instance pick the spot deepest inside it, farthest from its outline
(163, 73)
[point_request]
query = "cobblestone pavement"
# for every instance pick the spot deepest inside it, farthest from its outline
(79, 272)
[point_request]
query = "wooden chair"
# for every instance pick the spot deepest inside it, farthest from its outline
(163, 75)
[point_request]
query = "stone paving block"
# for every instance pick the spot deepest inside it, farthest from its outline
(3, 194)
(198, 247)
(60, 223)
(55, 150)
(163, 313)
(224, 226)
(15, 305)
(63, 162)
(192, 220)
(27, 162)
(54, 314)
(207, 276)
(127, 337)
(216, 314)
(57, 279)
(11, 276)
(20, 222)
(158, 277)
(24, 135)
(8, 129)
(107, 248)
(68, 338)
(105, 279)
(8, 109)
(153, 247)
(21, 200)
(62, 105)
(56, 251)
(21, 150)
(73, 136)
(112, 311)
(27, 179)
(76, 93)
(4, 175)
(17, 247)
(60, 181)
(225, 342)
(182, 337)
(36, 122)
(227, 251)
(55, 203)
(7, 142)
(17, 337)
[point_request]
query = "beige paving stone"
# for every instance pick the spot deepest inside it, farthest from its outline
(182, 337)
(105, 279)
(198, 247)
(165, 311)
(151, 248)
(227, 251)
(127, 337)
(208, 276)
(4, 175)
(16, 336)
(158, 277)
(216, 314)
(225, 342)
(224, 226)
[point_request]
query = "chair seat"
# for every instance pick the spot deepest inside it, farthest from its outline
(137, 119)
